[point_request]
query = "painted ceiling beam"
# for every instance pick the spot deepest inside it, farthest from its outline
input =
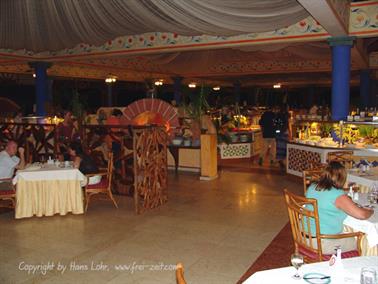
(333, 15)
(360, 57)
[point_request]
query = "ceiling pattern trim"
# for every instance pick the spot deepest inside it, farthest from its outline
(307, 29)
(363, 19)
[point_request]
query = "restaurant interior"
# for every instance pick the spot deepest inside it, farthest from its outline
(190, 141)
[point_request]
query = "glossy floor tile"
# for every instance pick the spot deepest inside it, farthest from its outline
(216, 229)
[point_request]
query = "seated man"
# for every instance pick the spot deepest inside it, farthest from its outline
(9, 162)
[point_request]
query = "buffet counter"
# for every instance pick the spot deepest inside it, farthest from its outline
(241, 149)
(301, 156)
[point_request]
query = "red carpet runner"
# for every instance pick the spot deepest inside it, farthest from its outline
(276, 255)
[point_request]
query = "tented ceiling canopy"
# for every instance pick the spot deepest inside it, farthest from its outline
(50, 25)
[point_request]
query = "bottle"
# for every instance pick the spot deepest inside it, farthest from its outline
(336, 267)
(351, 193)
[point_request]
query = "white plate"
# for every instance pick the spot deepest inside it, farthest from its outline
(33, 168)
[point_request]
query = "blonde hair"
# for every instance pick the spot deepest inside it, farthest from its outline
(334, 175)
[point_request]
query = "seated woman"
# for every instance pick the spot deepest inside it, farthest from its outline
(333, 207)
(83, 162)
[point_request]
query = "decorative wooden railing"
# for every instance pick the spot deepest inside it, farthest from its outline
(37, 139)
(150, 167)
(140, 155)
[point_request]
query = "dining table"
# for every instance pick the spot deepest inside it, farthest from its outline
(48, 189)
(363, 179)
(350, 273)
(369, 242)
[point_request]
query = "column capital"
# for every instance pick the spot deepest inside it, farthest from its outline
(41, 64)
(341, 40)
(177, 78)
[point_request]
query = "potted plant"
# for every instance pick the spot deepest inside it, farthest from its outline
(195, 110)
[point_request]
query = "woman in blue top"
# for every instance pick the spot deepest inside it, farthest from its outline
(334, 206)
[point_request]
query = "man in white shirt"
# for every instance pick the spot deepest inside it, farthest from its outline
(9, 162)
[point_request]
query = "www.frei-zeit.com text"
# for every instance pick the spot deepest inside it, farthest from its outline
(44, 268)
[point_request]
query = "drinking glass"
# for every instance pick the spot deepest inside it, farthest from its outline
(297, 261)
(371, 197)
(368, 276)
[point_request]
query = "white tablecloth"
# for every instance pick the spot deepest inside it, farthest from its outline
(48, 191)
(367, 179)
(352, 269)
(369, 226)
(49, 172)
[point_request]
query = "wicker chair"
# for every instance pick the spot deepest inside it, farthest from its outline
(104, 187)
(309, 243)
(180, 274)
(309, 177)
(344, 157)
(8, 195)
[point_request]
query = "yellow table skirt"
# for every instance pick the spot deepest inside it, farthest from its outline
(366, 250)
(48, 197)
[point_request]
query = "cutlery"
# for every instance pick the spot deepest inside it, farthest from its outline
(320, 278)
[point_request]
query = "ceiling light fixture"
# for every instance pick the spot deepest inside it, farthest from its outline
(159, 82)
(192, 85)
(110, 79)
(216, 88)
(34, 76)
(277, 86)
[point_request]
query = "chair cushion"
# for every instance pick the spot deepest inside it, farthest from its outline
(7, 192)
(312, 255)
(102, 184)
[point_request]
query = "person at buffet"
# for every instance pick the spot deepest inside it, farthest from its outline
(9, 162)
(83, 162)
(334, 205)
(281, 122)
(269, 136)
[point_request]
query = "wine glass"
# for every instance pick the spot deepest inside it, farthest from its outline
(297, 261)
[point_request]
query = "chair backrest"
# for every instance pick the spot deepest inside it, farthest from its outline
(301, 210)
(309, 177)
(180, 274)
(344, 157)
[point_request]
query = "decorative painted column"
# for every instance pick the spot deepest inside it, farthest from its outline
(364, 88)
(341, 47)
(177, 88)
(41, 86)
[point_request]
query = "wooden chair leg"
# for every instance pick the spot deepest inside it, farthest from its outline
(87, 197)
(112, 198)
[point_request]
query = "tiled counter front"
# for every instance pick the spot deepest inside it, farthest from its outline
(235, 151)
(300, 157)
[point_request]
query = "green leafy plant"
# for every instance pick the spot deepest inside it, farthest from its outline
(198, 104)
(366, 130)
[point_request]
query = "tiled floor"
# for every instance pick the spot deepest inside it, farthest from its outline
(216, 229)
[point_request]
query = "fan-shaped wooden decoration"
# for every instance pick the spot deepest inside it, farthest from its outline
(163, 110)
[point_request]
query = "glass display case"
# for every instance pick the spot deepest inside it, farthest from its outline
(341, 134)
(313, 140)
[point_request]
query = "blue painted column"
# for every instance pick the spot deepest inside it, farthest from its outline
(177, 89)
(364, 88)
(41, 86)
(237, 86)
(109, 98)
(341, 47)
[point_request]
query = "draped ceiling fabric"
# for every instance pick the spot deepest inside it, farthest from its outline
(51, 25)
(202, 62)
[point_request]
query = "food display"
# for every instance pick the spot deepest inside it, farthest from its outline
(358, 135)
